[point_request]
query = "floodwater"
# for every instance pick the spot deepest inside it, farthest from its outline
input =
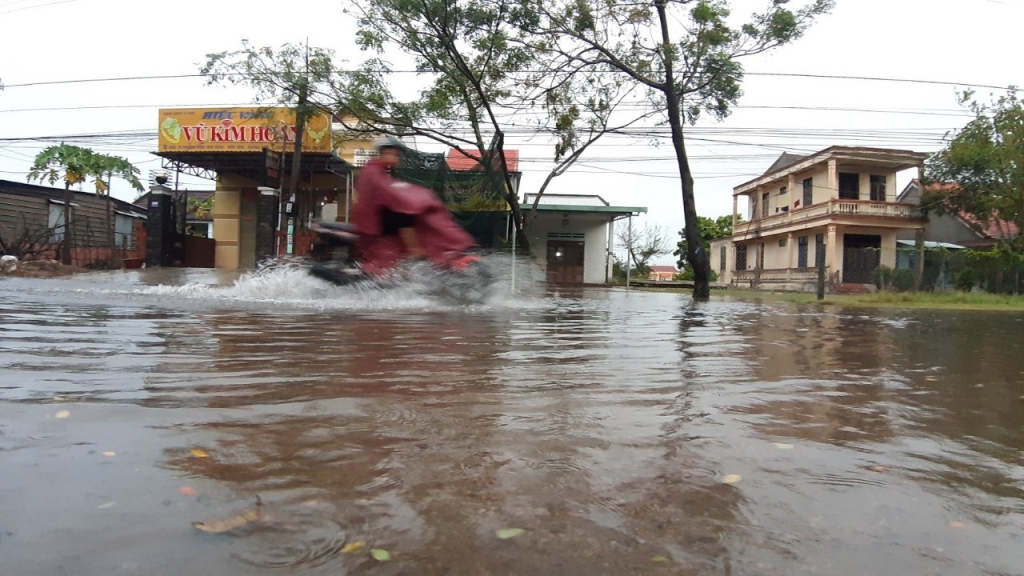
(624, 433)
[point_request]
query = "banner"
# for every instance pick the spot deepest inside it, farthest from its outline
(240, 130)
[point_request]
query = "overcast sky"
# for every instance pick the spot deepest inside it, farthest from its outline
(962, 43)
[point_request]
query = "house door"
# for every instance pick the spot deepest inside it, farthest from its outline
(565, 261)
(862, 253)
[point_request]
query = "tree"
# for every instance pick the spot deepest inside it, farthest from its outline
(980, 170)
(464, 48)
(72, 164)
(685, 77)
(710, 230)
(291, 76)
(111, 166)
(643, 245)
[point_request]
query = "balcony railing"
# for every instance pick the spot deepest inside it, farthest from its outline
(832, 208)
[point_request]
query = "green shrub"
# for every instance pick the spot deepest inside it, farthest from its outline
(687, 274)
(881, 277)
(966, 280)
(903, 280)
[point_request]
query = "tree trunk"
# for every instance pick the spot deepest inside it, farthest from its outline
(300, 133)
(65, 256)
(512, 198)
(695, 252)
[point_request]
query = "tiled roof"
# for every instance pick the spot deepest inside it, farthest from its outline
(460, 162)
(665, 269)
(995, 228)
(786, 159)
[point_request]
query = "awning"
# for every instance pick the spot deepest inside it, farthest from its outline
(929, 244)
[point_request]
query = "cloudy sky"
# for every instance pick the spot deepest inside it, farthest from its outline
(787, 105)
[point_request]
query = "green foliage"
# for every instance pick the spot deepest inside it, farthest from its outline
(296, 76)
(980, 170)
(903, 280)
(881, 277)
(688, 275)
(710, 230)
(966, 280)
(74, 164)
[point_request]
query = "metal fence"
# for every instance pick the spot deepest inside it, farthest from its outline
(995, 271)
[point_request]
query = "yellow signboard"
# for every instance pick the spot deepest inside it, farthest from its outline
(240, 130)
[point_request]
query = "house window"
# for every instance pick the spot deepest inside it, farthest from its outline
(123, 237)
(55, 221)
(849, 186)
(808, 191)
(764, 205)
(782, 191)
(741, 257)
(801, 252)
(782, 243)
(878, 188)
(723, 253)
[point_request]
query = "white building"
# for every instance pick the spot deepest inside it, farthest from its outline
(576, 235)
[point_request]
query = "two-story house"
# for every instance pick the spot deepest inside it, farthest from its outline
(839, 205)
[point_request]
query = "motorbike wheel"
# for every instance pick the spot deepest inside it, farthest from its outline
(335, 266)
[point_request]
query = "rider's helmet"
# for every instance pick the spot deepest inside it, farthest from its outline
(388, 142)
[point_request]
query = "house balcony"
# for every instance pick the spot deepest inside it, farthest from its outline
(885, 214)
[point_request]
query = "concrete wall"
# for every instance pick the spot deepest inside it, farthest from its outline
(595, 230)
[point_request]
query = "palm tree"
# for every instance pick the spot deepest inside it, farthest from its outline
(75, 164)
(111, 166)
(70, 163)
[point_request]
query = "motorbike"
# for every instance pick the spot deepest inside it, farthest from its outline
(459, 276)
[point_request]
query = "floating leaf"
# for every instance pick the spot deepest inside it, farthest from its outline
(229, 524)
(878, 468)
(110, 454)
(105, 506)
(659, 559)
(380, 555)
(782, 446)
(508, 533)
(352, 547)
(63, 414)
(187, 491)
(732, 478)
(931, 378)
(956, 524)
(200, 454)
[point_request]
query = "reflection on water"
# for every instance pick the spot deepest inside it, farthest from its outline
(603, 423)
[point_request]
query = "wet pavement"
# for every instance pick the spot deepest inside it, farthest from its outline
(625, 433)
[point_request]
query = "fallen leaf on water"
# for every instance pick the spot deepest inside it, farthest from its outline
(782, 446)
(105, 506)
(956, 524)
(380, 554)
(878, 468)
(931, 378)
(732, 478)
(200, 454)
(229, 524)
(507, 533)
(659, 559)
(187, 491)
(110, 454)
(352, 547)
(63, 414)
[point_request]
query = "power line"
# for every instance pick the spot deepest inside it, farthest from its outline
(765, 74)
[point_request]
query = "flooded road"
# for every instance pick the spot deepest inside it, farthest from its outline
(623, 433)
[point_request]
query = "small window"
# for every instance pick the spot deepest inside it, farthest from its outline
(808, 192)
(782, 243)
(801, 252)
(782, 191)
(741, 257)
(878, 188)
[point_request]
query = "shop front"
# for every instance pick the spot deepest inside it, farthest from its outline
(247, 152)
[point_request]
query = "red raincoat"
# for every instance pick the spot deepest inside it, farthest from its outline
(438, 236)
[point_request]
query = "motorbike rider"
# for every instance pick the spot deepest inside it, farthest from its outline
(395, 218)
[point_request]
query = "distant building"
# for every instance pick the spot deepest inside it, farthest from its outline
(839, 205)
(576, 233)
(663, 273)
